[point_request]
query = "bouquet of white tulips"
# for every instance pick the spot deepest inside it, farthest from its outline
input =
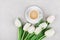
(37, 31)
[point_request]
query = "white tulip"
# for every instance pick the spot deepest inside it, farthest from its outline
(38, 30)
(49, 33)
(31, 29)
(26, 26)
(50, 19)
(43, 25)
(18, 23)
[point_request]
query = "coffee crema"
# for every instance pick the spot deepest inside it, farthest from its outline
(34, 14)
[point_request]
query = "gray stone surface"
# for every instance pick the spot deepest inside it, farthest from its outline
(10, 9)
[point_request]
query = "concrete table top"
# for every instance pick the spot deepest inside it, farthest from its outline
(10, 9)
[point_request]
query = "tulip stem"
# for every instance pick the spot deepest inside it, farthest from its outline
(42, 37)
(30, 36)
(27, 36)
(20, 32)
(23, 36)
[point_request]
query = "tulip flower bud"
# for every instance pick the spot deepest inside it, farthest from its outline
(49, 33)
(43, 25)
(31, 29)
(18, 23)
(38, 30)
(26, 26)
(50, 19)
